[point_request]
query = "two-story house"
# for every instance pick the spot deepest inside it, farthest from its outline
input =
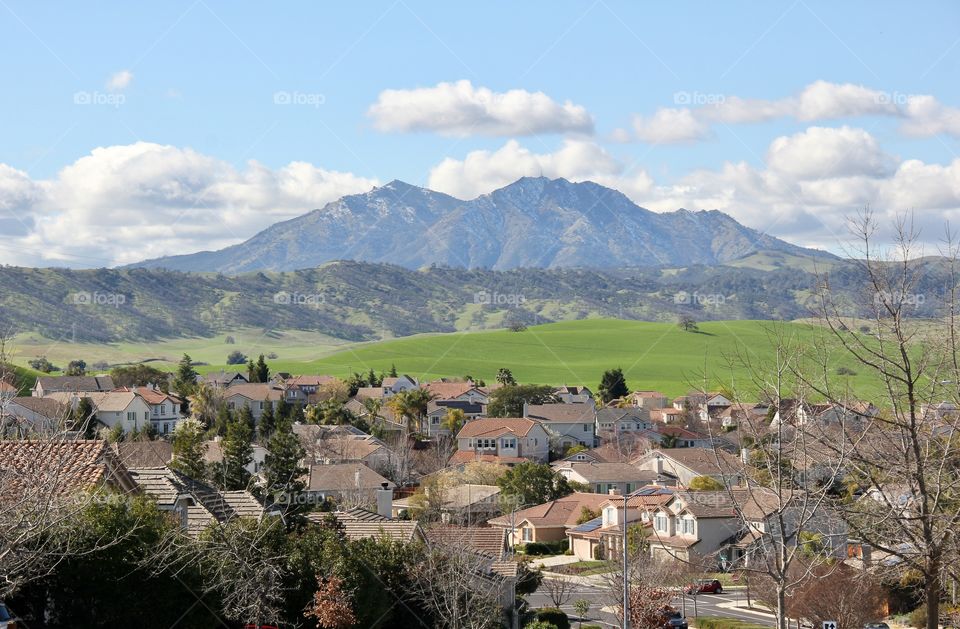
(686, 464)
(618, 420)
(568, 424)
(111, 408)
(574, 394)
(78, 385)
(456, 392)
(547, 522)
(164, 407)
(438, 409)
(602, 537)
(507, 440)
(255, 395)
(605, 478)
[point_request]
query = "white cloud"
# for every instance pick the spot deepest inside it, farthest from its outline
(922, 115)
(460, 109)
(669, 126)
(120, 204)
(482, 171)
(821, 152)
(119, 81)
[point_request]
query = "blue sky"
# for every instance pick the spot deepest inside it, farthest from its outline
(134, 127)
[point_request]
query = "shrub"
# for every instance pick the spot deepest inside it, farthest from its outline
(918, 617)
(540, 624)
(845, 371)
(556, 617)
(236, 357)
(229, 340)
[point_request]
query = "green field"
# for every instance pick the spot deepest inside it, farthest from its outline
(653, 355)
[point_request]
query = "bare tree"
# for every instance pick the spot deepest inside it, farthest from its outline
(560, 585)
(458, 586)
(907, 462)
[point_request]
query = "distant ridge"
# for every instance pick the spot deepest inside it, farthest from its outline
(534, 222)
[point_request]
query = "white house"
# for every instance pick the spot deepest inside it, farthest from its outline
(568, 424)
(256, 395)
(507, 440)
(623, 420)
(574, 395)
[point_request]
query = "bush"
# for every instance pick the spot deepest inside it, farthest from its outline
(918, 617)
(556, 617)
(539, 624)
(236, 357)
(845, 371)
(558, 547)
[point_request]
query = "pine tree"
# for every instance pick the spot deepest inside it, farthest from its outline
(262, 371)
(612, 385)
(296, 415)
(85, 418)
(246, 415)
(189, 448)
(267, 424)
(283, 410)
(224, 417)
(282, 470)
(231, 474)
(251, 371)
(186, 379)
(393, 371)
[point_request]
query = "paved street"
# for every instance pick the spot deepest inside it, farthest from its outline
(730, 604)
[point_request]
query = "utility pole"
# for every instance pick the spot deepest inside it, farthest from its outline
(626, 576)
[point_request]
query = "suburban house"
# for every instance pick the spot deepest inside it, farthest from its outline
(568, 424)
(124, 408)
(164, 407)
(437, 410)
(254, 395)
(196, 505)
(506, 440)
(685, 464)
(574, 394)
(547, 522)
(32, 414)
(223, 379)
(648, 400)
(677, 437)
(303, 389)
(461, 504)
(456, 392)
(7, 391)
(80, 385)
(326, 445)
(602, 537)
(357, 524)
(606, 478)
(623, 420)
(346, 484)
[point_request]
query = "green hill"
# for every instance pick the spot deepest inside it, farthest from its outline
(653, 355)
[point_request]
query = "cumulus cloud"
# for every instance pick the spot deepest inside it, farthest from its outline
(821, 152)
(577, 160)
(921, 115)
(460, 109)
(119, 81)
(668, 126)
(126, 203)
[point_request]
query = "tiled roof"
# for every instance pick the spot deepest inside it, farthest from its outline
(74, 384)
(374, 393)
(561, 512)
(448, 390)
(566, 413)
(609, 472)
(310, 381)
(51, 408)
(487, 540)
(701, 461)
(355, 529)
(64, 467)
(496, 426)
(150, 396)
(144, 453)
(343, 477)
(610, 415)
(256, 391)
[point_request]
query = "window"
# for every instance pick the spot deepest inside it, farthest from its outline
(527, 534)
(146, 415)
(586, 428)
(435, 421)
(508, 443)
(131, 416)
(166, 427)
(686, 526)
(660, 523)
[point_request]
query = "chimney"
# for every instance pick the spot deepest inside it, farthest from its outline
(658, 464)
(745, 456)
(385, 501)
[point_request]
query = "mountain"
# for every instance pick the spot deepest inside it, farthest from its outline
(534, 222)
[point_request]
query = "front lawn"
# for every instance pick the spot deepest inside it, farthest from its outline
(586, 568)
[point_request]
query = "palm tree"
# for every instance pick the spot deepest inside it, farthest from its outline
(411, 405)
(373, 406)
(402, 408)
(453, 420)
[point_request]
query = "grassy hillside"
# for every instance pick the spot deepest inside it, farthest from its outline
(652, 355)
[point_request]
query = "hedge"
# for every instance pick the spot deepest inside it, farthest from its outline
(554, 616)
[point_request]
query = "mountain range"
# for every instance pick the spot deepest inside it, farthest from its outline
(534, 222)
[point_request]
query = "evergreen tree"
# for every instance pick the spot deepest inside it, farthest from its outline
(186, 379)
(85, 418)
(268, 422)
(189, 448)
(612, 385)
(251, 371)
(296, 415)
(283, 410)
(230, 474)
(224, 417)
(246, 415)
(262, 371)
(282, 470)
(393, 371)
(373, 380)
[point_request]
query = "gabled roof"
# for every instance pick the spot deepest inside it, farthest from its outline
(496, 426)
(256, 391)
(572, 390)
(461, 457)
(605, 415)
(450, 390)
(150, 396)
(144, 453)
(488, 541)
(361, 524)
(344, 477)
(609, 472)
(309, 381)
(560, 512)
(700, 461)
(74, 384)
(49, 407)
(562, 413)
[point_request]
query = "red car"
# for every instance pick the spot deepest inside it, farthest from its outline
(704, 586)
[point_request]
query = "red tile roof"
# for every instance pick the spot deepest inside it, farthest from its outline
(496, 426)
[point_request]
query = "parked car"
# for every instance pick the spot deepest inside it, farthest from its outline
(672, 619)
(876, 625)
(705, 586)
(7, 620)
